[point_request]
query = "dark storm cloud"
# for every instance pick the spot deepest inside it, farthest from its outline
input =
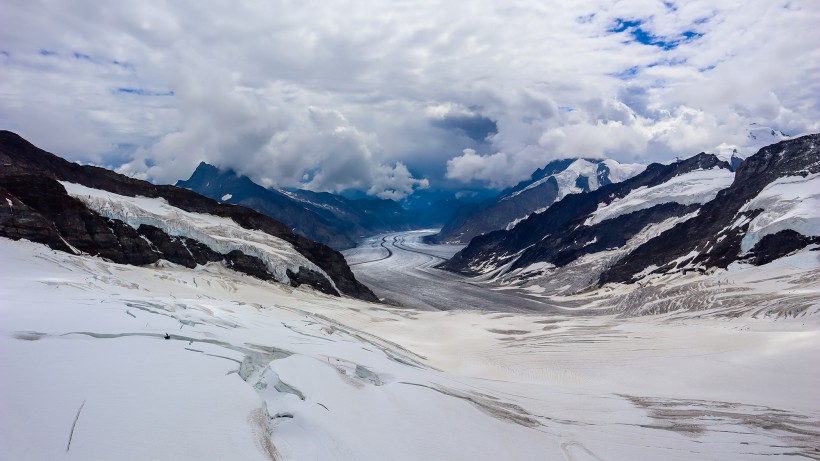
(475, 127)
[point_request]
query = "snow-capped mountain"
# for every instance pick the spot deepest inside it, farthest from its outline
(327, 218)
(771, 209)
(692, 215)
(757, 137)
(90, 210)
(130, 330)
(546, 186)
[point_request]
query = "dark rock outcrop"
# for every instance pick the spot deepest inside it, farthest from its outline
(774, 246)
(311, 278)
(180, 250)
(39, 209)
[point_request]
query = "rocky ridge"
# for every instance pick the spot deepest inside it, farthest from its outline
(545, 186)
(38, 208)
(566, 249)
(328, 218)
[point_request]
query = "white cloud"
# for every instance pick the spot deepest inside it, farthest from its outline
(395, 183)
(328, 95)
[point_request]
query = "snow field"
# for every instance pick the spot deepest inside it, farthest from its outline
(260, 371)
(695, 187)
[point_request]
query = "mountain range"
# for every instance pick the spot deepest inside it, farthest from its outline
(575, 225)
(85, 210)
(678, 304)
(546, 186)
(328, 218)
(694, 215)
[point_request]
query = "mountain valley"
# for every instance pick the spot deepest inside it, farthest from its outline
(668, 313)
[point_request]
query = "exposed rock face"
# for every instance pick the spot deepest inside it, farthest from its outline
(311, 278)
(327, 218)
(38, 208)
(180, 250)
(774, 246)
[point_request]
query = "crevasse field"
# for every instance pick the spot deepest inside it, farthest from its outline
(255, 370)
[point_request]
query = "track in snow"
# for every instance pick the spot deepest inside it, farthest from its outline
(399, 268)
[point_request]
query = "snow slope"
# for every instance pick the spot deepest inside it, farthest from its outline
(757, 137)
(567, 178)
(220, 234)
(792, 202)
(696, 187)
(259, 371)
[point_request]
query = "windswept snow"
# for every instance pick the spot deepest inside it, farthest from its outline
(699, 186)
(221, 234)
(791, 202)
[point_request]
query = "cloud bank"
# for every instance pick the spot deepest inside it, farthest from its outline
(390, 97)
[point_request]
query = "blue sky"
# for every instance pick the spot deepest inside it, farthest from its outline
(389, 97)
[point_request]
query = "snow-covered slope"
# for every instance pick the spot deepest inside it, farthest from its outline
(582, 176)
(220, 234)
(695, 187)
(600, 220)
(258, 371)
(129, 221)
(757, 137)
(692, 215)
(792, 203)
(545, 187)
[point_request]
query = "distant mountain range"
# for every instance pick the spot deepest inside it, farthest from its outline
(328, 218)
(91, 210)
(692, 215)
(547, 185)
(575, 224)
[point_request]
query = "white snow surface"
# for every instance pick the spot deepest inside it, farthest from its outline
(619, 172)
(757, 137)
(256, 371)
(220, 234)
(791, 202)
(695, 187)
(566, 179)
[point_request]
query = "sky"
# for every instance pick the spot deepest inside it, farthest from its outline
(390, 97)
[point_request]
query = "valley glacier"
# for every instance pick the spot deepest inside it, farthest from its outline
(254, 370)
